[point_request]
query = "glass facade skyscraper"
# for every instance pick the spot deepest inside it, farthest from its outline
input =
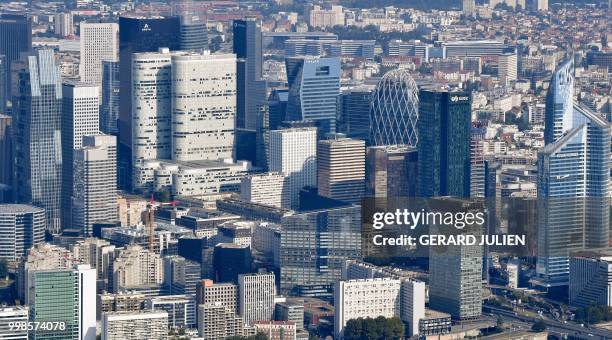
(573, 180)
(15, 38)
(444, 129)
(355, 112)
(394, 110)
(314, 245)
(38, 142)
(314, 87)
(109, 112)
(138, 34)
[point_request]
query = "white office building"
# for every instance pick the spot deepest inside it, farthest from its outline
(94, 193)
(99, 42)
(507, 65)
(268, 188)
(293, 152)
(256, 294)
(412, 304)
(203, 106)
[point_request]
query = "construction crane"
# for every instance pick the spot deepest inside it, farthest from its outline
(150, 220)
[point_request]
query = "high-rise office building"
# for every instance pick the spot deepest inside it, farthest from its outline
(37, 116)
(109, 111)
(4, 87)
(269, 188)
(15, 38)
(225, 294)
(293, 152)
(94, 191)
(231, 260)
(251, 90)
(193, 32)
(412, 301)
(589, 280)
(21, 228)
(138, 34)
(394, 111)
(444, 128)
(135, 325)
(99, 43)
(181, 275)
(314, 88)
(256, 294)
(317, 263)
(391, 171)
(203, 106)
(341, 168)
(62, 25)
(6, 150)
(80, 117)
(477, 162)
(573, 180)
(64, 294)
(507, 65)
(42, 257)
(152, 107)
(354, 120)
(11, 316)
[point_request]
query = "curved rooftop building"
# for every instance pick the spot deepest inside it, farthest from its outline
(394, 110)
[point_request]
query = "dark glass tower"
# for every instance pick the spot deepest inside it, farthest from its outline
(193, 33)
(15, 38)
(444, 128)
(137, 34)
(109, 113)
(38, 143)
(251, 89)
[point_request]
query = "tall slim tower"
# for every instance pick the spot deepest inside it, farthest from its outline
(256, 294)
(109, 110)
(444, 128)
(15, 38)
(203, 106)
(293, 152)
(573, 180)
(138, 34)
(251, 89)
(94, 192)
(37, 112)
(99, 42)
(80, 118)
(314, 88)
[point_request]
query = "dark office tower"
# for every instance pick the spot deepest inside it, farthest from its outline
(355, 112)
(37, 113)
(138, 34)
(251, 89)
(4, 86)
(391, 171)
(6, 158)
(15, 38)
(193, 33)
(109, 114)
(444, 129)
(231, 260)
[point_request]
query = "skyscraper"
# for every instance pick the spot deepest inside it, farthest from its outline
(341, 168)
(109, 111)
(203, 106)
(469, 7)
(394, 111)
(37, 113)
(573, 180)
(99, 42)
(256, 294)
(94, 190)
(314, 87)
(391, 171)
(64, 294)
(444, 129)
(193, 32)
(507, 65)
(293, 152)
(315, 244)
(6, 149)
(15, 38)
(63, 26)
(251, 89)
(21, 228)
(138, 34)
(354, 120)
(80, 117)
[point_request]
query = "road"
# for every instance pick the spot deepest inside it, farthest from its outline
(554, 326)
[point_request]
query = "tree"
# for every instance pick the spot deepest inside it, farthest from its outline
(379, 328)
(539, 326)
